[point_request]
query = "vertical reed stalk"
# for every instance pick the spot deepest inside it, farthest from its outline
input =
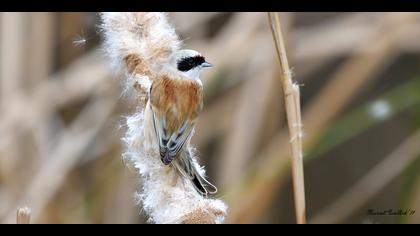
(292, 100)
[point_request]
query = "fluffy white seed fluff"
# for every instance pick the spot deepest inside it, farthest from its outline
(165, 197)
(146, 34)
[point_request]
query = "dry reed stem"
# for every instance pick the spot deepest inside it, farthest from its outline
(12, 43)
(23, 215)
(40, 40)
(292, 101)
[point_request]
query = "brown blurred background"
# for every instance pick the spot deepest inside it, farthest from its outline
(62, 116)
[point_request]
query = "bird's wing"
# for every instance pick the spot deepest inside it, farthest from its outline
(159, 127)
(170, 144)
(179, 138)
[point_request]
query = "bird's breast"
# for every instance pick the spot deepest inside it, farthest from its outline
(178, 100)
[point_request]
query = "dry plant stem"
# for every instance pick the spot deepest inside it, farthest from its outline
(164, 199)
(292, 100)
(41, 45)
(23, 215)
(11, 74)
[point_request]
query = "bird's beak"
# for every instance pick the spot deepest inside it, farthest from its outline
(206, 64)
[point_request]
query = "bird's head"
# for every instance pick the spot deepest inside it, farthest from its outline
(189, 62)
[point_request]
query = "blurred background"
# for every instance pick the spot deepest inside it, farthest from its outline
(62, 116)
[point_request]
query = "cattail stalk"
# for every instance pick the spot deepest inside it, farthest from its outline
(23, 215)
(292, 100)
(139, 44)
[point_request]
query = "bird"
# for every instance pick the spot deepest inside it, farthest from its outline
(175, 101)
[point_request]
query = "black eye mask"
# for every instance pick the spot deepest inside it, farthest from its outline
(187, 63)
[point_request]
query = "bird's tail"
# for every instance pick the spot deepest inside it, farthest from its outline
(189, 169)
(202, 185)
(139, 43)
